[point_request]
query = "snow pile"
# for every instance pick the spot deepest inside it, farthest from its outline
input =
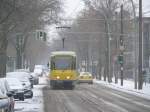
(43, 80)
(128, 86)
(32, 105)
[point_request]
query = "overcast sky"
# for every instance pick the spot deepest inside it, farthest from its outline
(146, 7)
(72, 7)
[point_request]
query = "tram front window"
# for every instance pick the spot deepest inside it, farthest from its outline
(63, 63)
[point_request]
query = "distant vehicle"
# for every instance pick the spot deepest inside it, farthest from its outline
(63, 69)
(35, 78)
(38, 70)
(16, 87)
(6, 97)
(24, 77)
(85, 77)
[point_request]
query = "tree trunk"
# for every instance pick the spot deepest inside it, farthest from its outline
(19, 60)
(3, 60)
(3, 55)
(99, 70)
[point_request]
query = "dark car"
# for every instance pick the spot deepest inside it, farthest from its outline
(16, 87)
(6, 97)
(19, 90)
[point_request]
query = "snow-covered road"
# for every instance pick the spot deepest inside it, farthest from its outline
(99, 97)
(127, 87)
(93, 98)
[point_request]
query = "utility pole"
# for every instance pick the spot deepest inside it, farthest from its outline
(63, 42)
(121, 46)
(116, 29)
(107, 52)
(140, 80)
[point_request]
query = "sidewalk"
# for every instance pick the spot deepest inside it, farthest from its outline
(127, 87)
(34, 104)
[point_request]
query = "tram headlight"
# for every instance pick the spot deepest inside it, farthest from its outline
(68, 77)
(57, 77)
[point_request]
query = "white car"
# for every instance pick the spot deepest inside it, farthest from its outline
(6, 97)
(35, 78)
(38, 70)
(22, 76)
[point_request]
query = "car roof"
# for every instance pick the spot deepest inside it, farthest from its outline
(85, 73)
(17, 74)
(13, 80)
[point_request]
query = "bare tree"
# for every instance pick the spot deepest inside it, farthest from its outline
(23, 17)
(97, 30)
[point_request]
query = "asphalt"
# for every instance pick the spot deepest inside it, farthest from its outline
(92, 98)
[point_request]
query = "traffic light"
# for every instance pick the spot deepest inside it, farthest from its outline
(41, 35)
(120, 59)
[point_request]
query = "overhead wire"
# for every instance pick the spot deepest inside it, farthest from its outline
(115, 34)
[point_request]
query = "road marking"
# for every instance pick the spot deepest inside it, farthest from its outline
(113, 105)
(130, 100)
(106, 102)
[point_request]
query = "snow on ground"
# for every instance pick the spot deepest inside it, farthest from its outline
(128, 86)
(43, 80)
(36, 103)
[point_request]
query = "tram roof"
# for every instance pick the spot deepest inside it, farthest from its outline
(56, 53)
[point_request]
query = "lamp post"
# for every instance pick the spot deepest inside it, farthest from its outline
(140, 67)
(121, 47)
(63, 39)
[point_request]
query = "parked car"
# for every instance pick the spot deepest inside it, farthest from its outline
(4, 102)
(16, 87)
(85, 77)
(35, 78)
(28, 74)
(24, 77)
(20, 92)
(38, 70)
(6, 97)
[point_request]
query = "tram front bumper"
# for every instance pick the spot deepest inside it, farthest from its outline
(62, 82)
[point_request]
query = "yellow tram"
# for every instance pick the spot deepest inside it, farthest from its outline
(63, 69)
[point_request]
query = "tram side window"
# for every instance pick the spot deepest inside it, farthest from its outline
(73, 63)
(52, 63)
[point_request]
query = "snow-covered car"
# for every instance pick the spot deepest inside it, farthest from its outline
(16, 87)
(28, 74)
(24, 77)
(38, 70)
(85, 77)
(35, 78)
(6, 97)
(20, 92)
